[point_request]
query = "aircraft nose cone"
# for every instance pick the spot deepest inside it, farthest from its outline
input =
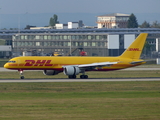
(6, 65)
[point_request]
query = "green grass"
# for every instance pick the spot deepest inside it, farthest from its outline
(2, 62)
(80, 101)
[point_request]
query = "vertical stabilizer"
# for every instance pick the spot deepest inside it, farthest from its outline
(135, 49)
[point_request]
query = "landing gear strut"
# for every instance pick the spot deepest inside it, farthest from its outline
(21, 74)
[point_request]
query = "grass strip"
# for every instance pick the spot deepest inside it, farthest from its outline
(79, 101)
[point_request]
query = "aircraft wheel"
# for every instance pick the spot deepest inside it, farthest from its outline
(72, 76)
(84, 76)
(22, 77)
(69, 76)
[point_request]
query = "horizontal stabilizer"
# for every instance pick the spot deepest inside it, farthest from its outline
(136, 62)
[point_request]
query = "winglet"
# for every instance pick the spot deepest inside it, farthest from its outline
(135, 49)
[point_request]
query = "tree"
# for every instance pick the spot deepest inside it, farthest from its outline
(155, 24)
(132, 21)
(53, 20)
(145, 24)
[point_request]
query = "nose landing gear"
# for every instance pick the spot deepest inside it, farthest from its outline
(21, 74)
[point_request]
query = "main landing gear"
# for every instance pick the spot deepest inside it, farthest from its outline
(72, 76)
(84, 76)
(81, 76)
(21, 74)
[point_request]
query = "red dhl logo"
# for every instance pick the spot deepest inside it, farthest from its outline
(133, 49)
(38, 63)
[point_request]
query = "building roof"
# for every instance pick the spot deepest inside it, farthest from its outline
(94, 30)
(115, 14)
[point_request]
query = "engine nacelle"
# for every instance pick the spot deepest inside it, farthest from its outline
(71, 70)
(50, 72)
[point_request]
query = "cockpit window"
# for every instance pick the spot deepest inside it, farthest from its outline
(11, 61)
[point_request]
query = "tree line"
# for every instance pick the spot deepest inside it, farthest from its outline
(132, 23)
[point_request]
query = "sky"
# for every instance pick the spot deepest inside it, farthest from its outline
(95, 7)
(76, 6)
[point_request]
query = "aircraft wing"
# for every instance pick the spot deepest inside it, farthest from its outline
(94, 65)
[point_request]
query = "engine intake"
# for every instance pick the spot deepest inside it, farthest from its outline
(50, 72)
(71, 70)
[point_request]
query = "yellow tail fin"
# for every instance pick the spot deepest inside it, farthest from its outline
(135, 49)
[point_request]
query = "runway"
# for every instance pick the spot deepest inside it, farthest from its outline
(76, 80)
(79, 80)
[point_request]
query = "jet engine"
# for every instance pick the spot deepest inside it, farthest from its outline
(50, 72)
(71, 70)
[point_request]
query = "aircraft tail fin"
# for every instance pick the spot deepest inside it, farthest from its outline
(135, 49)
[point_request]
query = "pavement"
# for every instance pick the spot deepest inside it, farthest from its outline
(80, 80)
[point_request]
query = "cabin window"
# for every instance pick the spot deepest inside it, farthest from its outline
(11, 61)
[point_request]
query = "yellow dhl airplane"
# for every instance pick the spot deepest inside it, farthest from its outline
(72, 66)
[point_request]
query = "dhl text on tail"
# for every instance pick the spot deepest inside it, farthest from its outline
(72, 66)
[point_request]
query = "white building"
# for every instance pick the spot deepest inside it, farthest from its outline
(115, 20)
(61, 26)
(117, 43)
(5, 51)
(38, 28)
(72, 25)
